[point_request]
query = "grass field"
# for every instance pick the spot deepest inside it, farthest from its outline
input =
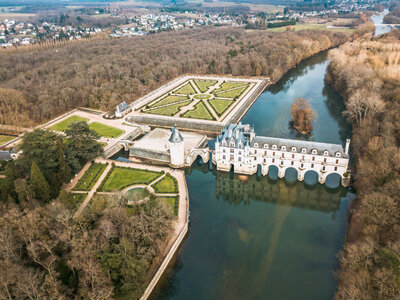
(232, 93)
(200, 112)
(89, 179)
(168, 100)
(120, 178)
(309, 26)
(187, 89)
(168, 110)
(172, 203)
(167, 185)
(230, 85)
(105, 130)
(220, 105)
(204, 85)
(61, 126)
(6, 138)
(73, 200)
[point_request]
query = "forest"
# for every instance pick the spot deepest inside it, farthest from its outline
(38, 85)
(48, 253)
(367, 73)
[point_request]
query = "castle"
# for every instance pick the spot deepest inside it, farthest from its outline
(237, 146)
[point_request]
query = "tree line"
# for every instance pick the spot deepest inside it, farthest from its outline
(367, 73)
(40, 84)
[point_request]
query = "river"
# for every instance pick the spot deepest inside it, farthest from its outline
(381, 28)
(267, 238)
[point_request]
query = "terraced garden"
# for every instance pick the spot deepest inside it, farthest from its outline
(202, 99)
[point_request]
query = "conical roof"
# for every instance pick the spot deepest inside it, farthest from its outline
(175, 136)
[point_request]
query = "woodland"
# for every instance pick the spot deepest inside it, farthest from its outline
(38, 85)
(367, 73)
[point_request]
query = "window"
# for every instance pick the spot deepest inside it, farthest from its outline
(337, 161)
(326, 152)
(240, 159)
(274, 147)
(302, 157)
(292, 163)
(335, 168)
(282, 163)
(223, 157)
(265, 146)
(337, 154)
(292, 155)
(255, 158)
(293, 149)
(273, 153)
(324, 160)
(303, 150)
(223, 150)
(283, 155)
(323, 168)
(255, 151)
(312, 165)
(314, 151)
(302, 166)
(273, 160)
(231, 150)
(283, 148)
(256, 145)
(313, 158)
(265, 160)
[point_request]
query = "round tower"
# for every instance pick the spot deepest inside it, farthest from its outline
(176, 148)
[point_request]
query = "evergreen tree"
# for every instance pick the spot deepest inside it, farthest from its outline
(39, 184)
(64, 171)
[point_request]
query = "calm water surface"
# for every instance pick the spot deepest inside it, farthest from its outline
(267, 238)
(379, 24)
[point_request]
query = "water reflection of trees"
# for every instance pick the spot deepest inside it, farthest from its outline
(302, 69)
(298, 194)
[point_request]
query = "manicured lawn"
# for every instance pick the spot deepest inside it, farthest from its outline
(232, 93)
(167, 185)
(169, 110)
(204, 85)
(200, 112)
(90, 177)
(187, 89)
(119, 178)
(169, 99)
(230, 85)
(6, 138)
(202, 96)
(61, 126)
(220, 105)
(74, 200)
(105, 130)
(171, 203)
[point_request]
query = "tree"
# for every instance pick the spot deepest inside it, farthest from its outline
(64, 171)
(40, 187)
(302, 115)
(81, 145)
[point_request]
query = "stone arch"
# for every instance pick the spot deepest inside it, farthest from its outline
(273, 170)
(311, 177)
(333, 179)
(291, 174)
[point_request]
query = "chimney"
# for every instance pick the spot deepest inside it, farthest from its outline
(346, 150)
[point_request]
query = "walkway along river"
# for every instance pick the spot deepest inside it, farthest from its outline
(267, 238)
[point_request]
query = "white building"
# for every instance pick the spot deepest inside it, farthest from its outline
(237, 146)
(122, 109)
(176, 148)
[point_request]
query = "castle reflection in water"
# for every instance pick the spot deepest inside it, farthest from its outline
(242, 190)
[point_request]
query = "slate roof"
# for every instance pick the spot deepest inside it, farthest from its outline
(122, 107)
(175, 137)
(238, 133)
(5, 155)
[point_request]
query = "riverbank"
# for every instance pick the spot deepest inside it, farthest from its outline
(369, 264)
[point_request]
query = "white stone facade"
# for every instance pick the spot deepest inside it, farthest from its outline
(238, 147)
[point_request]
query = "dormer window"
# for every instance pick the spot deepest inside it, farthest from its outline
(337, 154)
(256, 145)
(304, 150)
(326, 152)
(240, 145)
(274, 147)
(293, 149)
(283, 148)
(232, 144)
(223, 143)
(314, 151)
(265, 146)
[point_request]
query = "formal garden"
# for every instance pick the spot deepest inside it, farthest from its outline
(201, 99)
(88, 180)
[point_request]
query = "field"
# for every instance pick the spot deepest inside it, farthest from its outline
(105, 130)
(167, 185)
(209, 99)
(6, 138)
(119, 178)
(63, 125)
(89, 179)
(73, 200)
(310, 26)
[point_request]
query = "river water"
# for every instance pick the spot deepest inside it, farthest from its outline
(381, 28)
(267, 238)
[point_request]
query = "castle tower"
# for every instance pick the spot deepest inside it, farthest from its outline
(176, 148)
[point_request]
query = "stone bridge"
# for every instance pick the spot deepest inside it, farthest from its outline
(204, 153)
